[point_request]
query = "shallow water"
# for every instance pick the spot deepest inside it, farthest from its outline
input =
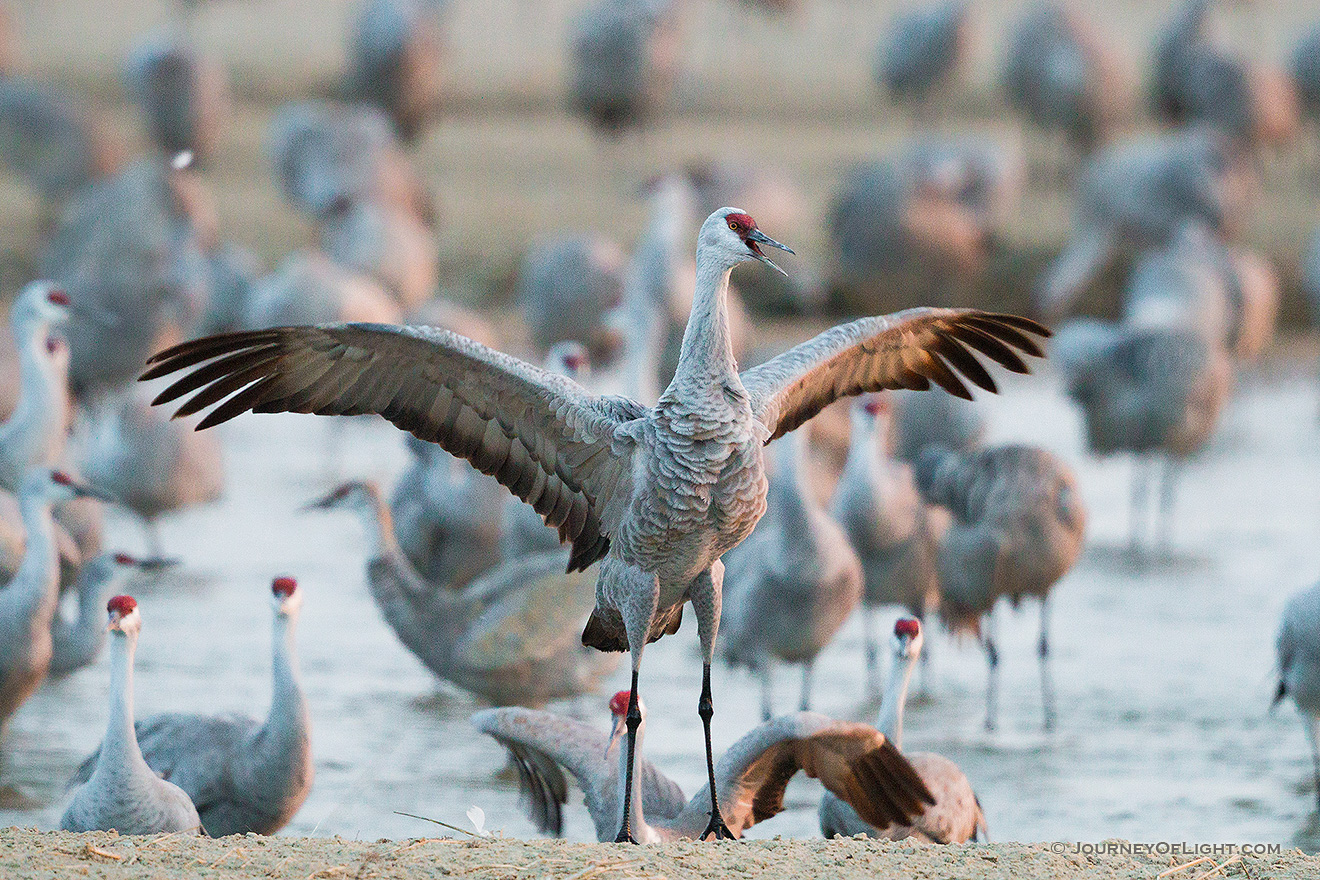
(1163, 666)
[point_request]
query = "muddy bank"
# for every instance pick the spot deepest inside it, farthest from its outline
(36, 854)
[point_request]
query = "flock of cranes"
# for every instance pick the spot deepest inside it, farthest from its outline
(671, 474)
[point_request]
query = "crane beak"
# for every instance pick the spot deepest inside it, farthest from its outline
(620, 728)
(95, 315)
(157, 563)
(756, 238)
(82, 490)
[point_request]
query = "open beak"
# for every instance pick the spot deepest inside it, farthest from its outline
(756, 238)
(620, 728)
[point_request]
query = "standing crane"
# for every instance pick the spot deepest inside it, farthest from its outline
(657, 495)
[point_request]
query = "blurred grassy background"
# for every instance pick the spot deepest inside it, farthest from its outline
(507, 161)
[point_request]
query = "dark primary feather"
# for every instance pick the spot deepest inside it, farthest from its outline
(910, 349)
(541, 435)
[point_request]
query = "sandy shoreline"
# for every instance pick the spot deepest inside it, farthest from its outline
(28, 854)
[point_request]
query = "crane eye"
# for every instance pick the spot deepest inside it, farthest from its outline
(733, 224)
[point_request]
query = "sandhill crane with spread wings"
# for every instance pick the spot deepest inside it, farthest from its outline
(657, 494)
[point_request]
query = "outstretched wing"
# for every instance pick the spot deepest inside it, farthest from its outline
(909, 349)
(543, 745)
(854, 761)
(543, 436)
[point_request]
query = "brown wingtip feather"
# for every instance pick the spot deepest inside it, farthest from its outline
(891, 792)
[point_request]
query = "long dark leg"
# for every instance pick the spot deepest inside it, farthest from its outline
(1168, 487)
(805, 704)
(1043, 652)
(923, 662)
(633, 720)
(1313, 734)
(872, 652)
(1140, 494)
(765, 673)
(155, 549)
(705, 595)
(992, 660)
(643, 593)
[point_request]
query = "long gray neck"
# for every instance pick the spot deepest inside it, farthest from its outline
(288, 717)
(639, 826)
(379, 522)
(37, 580)
(91, 587)
(707, 352)
(120, 748)
(42, 401)
(890, 719)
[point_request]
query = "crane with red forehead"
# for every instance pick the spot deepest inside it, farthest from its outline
(655, 494)
(119, 790)
(242, 774)
(855, 762)
(954, 815)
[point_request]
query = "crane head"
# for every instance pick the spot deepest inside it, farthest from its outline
(56, 485)
(731, 236)
(123, 614)
(286, 595)
(619, 708)
(907, 637)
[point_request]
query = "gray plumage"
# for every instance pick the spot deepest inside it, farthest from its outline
(116, 789)
(309, 288)
(387, 244)
(792, 583)
(28, 602)
(183, 96)
(234, 271)
(931, 209)
(656, 494)
(894, 534)
(921, 50)
(127, 247)
(150, 464)
(47, 139)
(1305, 67)
(509, 636)
(1198, 282)
(447, 516)
(1298, 652)
(1311, 275)
(955, 816)
(523, 532)
(242, 774)
(77, 643)
(566, 287)
(1194, 81)
(329, 156)
(1147, 391)
(1017, 526)
(1139, 194)
(1063, 77)
(852, 759)
(920, 420)
(620, 61)
(394, 57)
(36, 431)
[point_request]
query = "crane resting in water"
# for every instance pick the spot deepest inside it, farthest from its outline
(656, 494)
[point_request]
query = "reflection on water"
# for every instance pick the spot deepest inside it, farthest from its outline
(1163, 665)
